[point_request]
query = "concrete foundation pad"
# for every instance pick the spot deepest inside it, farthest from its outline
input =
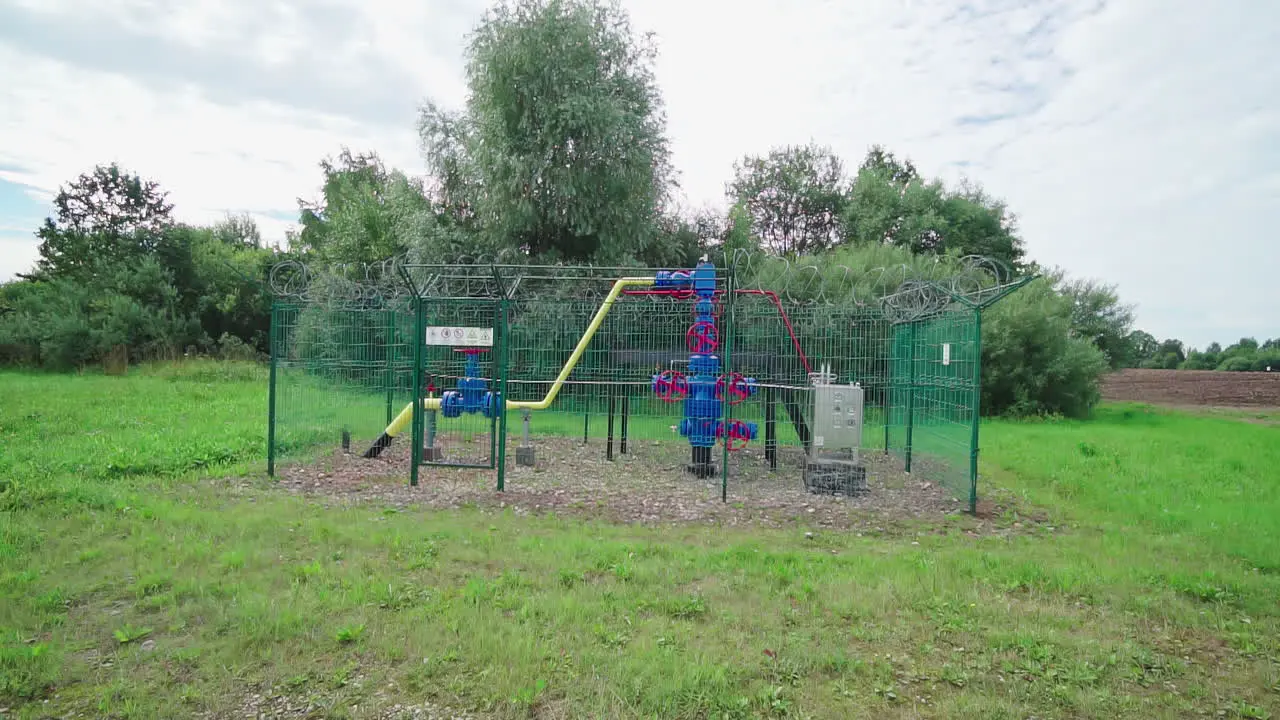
(526, 456)
(828, 476)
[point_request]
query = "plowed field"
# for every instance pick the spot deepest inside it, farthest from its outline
(1194, 387)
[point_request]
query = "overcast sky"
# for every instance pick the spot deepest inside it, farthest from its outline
(1137, 140)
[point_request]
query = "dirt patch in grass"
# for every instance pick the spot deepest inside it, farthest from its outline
(283, 704)
(648, 485)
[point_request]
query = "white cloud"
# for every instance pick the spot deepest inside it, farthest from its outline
(256, 157)
(1139, 141)
(17, 250)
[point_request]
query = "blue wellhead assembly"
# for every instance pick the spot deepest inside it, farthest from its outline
(705, 388)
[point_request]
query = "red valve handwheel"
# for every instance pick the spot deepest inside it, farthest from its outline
(734, 388)
(737, 436)
(672, 386)
(702, 338)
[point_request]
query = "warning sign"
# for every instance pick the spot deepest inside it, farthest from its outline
(460, 336)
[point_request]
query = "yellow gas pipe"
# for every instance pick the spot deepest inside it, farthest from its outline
(406, 415)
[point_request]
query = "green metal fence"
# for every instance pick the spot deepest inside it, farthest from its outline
(348, 359)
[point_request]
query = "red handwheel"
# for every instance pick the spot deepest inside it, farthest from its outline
(737, 436)
(732, 388)
(671, 386)
(702, 337)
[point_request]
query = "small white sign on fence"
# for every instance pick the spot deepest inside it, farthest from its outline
(460, 336)
(946, 353)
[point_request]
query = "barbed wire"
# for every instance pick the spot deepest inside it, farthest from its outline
(902, 292)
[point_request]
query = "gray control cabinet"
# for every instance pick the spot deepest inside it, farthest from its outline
(837, 417)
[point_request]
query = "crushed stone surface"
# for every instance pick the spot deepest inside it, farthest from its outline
(649, 485)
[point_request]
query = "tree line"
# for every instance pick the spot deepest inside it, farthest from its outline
(560, 154)
(1245, 355)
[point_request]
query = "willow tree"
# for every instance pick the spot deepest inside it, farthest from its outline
(561, 149)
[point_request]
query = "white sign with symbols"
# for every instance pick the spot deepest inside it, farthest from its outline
(460, 336)
(946, 353)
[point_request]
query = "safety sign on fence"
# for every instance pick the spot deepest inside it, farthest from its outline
(460, 336)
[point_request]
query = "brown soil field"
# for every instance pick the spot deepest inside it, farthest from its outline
(1206, 388)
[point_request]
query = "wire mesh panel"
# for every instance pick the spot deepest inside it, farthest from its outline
(594, 348)
(459, 371)
(339, 373)
(714, 377)
(934, 392)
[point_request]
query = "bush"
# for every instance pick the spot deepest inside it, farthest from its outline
(68, 324)
(1267, 359)
(1239, 363)
(231, 347)
(1032, 362)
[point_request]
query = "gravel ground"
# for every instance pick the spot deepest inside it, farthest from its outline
(647, 485)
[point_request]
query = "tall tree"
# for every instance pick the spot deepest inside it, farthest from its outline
(561, 151)
(890, 203)
(794, 197)
(103, 216)
(364, 213)
(900, 173)
(1098, 315)
(1169, 355)
(1143, 347)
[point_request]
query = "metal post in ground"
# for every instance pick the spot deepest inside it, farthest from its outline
(419, 337)
(626, 405)
(977, 407)
(390, 377)
(525, 456)
(770, 429)
(911, 395)
(608, 453)
(272, 341)
(500, 411)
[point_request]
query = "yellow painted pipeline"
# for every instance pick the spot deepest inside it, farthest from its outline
(406, 415)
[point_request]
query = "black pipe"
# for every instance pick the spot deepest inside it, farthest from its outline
(586, 423)
(377, 447)
(701, 467)
(792, 406)
(626, 412)
(770, 429)
(608, 453)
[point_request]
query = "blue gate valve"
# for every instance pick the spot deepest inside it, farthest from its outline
(473, 394)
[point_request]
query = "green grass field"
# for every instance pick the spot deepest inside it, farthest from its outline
(148, 569)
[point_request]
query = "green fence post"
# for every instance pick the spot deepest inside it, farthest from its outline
(391, 373)
(887, 385)
(727, 409)
(272, 335)
(419, 336)
(501, 339)
(977, 407)
(911, 392)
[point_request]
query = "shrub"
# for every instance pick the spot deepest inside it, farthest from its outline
(1032, 362)
(1238, 363)
(231, 347)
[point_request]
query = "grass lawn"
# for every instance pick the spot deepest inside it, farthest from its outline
(148, 569)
